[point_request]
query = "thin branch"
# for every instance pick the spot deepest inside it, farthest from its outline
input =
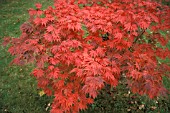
(137, 38)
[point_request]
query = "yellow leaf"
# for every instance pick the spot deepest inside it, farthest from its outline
(41, 93)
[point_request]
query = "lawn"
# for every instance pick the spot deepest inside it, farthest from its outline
(18, 90)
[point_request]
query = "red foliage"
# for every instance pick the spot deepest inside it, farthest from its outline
(74, 67)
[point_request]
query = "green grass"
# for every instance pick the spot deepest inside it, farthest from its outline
(18, 90)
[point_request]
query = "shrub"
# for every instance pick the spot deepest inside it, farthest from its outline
(79, 46)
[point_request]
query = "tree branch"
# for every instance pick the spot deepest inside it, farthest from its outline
(137, 38)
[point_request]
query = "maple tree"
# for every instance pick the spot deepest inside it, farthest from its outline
(79, 46)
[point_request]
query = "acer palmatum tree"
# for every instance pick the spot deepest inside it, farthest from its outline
(79, 46)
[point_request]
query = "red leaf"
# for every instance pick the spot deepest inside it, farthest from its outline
(38, 5)
(38, 73)
(92, 84)
(50, 28)
(48, 37)
(6, 41)
(32, 12)
(37, 21)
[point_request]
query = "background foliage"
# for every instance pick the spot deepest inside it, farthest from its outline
(18, 91)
